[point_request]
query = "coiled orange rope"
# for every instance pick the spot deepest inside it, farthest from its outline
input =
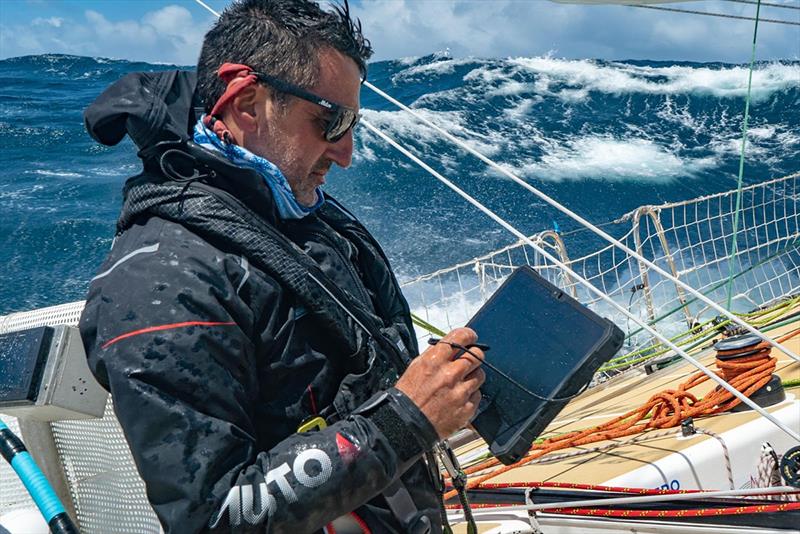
(665, 409)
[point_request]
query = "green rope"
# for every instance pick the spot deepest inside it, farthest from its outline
(422, 323)
(795, 244)
(762, 319)
(734, 240)
(791, 383)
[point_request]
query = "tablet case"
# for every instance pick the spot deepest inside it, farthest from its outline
(510, 440)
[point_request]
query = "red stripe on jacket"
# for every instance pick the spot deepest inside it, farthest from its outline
(163, 327)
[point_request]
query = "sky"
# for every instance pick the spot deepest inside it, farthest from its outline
(171, 31)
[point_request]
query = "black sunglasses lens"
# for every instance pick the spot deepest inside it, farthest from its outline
(340, 124)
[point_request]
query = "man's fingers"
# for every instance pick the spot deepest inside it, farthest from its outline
(469, 361)
(462, 336)
(475, 400)
(445, 381)
(443, 351)
(474, 380)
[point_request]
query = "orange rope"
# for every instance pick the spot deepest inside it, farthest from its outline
(665, 409)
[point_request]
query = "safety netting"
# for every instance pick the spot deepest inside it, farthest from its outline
(693, 240)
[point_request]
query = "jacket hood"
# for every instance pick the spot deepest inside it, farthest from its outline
(156, 109)
(150, 107)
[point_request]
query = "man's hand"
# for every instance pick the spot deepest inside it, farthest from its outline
(443, 387)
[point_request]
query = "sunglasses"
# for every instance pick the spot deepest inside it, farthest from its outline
(336, 126)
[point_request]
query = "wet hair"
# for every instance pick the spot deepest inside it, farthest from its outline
(282, 38)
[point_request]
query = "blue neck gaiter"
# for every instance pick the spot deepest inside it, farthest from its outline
(285, 201)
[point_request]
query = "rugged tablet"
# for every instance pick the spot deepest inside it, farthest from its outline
(548, 345)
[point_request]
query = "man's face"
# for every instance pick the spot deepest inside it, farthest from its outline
(291, 136)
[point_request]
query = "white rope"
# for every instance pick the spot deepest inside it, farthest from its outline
(532, 519)
(588, 225)
(207, 7)
(726, 453)
(713, 376)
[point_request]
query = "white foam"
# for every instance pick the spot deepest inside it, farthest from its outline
(99, 171)
(511, 88)
(408, 60)
(682, 116)
(639, 152)
(589, 157)
(522, 108)
(60, 174)
(607, 158)
(582, 76)
(763, 132)
(761, 141)
(446, 66)
(404, 127)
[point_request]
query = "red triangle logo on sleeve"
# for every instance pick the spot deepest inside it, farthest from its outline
(348, 451)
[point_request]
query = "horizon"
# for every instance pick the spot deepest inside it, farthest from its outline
(164, 32)
(439, 56)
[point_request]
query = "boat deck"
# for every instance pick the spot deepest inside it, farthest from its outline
(623, 464)
(659, 458)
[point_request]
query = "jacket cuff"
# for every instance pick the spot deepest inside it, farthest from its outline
(407, 429)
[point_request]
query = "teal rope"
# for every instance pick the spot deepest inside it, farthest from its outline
(734, 240)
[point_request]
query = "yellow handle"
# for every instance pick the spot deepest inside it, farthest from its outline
(313, 423)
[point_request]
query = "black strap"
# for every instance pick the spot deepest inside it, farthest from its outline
(404, 510)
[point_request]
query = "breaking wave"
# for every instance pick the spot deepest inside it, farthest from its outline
(601, 137)
(575, 79)
(607, 158)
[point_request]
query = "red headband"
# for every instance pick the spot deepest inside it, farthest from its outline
(238, 77)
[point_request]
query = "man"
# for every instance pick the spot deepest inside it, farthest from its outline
(248, 327)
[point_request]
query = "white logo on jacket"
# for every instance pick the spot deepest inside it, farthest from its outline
(252, 504)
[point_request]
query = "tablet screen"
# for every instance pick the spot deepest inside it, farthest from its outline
(539, 337)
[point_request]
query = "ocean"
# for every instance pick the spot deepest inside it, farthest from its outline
(600, 137)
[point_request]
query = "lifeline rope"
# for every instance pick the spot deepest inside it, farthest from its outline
(689, 512)
(665, 409)
(601, 507)
(734, 240)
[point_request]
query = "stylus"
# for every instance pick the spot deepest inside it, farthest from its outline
(483, 347)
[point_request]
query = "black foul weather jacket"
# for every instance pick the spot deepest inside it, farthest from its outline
(220, 329)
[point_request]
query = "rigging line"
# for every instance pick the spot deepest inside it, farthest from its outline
(768, 4)
(574, 216)
(702, 368)
(734, 237)
(216, 14)
(709, 14)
